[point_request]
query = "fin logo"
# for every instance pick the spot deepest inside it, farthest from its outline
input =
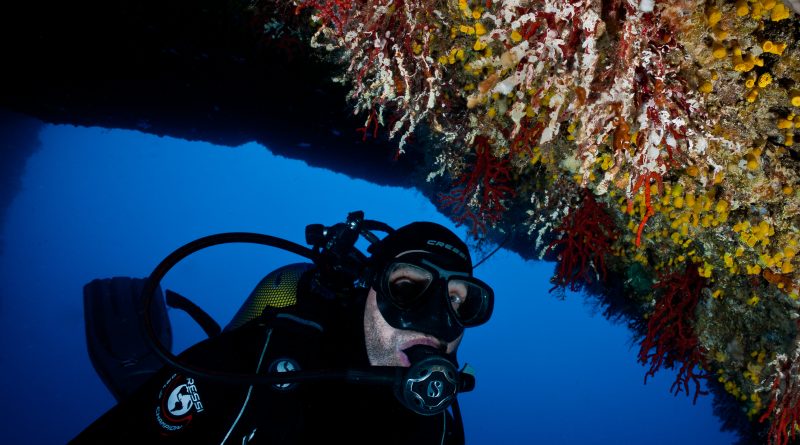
(178, 402)
(283, 365)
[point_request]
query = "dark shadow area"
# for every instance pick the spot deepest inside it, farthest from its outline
(19, 138)
(195, 70)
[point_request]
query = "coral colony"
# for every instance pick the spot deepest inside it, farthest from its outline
(652, 140)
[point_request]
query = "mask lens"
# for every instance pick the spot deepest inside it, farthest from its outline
(470, 300)
(406, 283)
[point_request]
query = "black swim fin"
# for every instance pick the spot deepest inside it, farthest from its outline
(117, 348)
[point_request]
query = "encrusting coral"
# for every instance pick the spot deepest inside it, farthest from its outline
(654, 141)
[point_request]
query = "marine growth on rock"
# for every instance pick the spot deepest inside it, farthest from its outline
(664, 134)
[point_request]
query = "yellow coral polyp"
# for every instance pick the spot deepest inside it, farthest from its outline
(750, 82)
(742, 9)
(606, 161)
(705, 270)
(752, 161)
(718, 51)
(794, 98)
(767, 260)
(529, 111)
(571, 131)
(691, 201)
(706, 87)
(753, 270)
(774, 48)
(779, 12)
(758, 9)
(752, 95)
(714, 15)
(728, 258)
(516, 37)
(764, 228)
(480, 29)
(764, 80)
(741, 66)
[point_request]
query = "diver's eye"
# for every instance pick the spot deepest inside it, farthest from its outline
(456, 300)
(457, 292)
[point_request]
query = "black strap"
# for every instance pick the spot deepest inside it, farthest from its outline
(458, 435)
(178, 301)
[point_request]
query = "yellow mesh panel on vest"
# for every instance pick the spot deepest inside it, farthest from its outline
(277, 289)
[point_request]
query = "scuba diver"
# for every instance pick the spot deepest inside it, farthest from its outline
(349, 348)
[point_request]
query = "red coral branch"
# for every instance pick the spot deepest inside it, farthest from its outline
(333, 12)
(587, 235)
(784, 406)
(371, 119)
(786, 410)
(670, 334)
(644, 182)
(526, 139)
(479, 194)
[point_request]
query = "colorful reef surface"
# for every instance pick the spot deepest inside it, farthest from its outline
(650, 148)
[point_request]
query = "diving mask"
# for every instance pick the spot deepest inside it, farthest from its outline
(414, 293)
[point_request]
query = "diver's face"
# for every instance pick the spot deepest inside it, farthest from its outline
(385, 344)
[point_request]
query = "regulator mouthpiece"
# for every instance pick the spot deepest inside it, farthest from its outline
(430, 384)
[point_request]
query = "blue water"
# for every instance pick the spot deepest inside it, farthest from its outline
(101, 203)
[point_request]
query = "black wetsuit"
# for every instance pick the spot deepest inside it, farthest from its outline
(313, 334)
